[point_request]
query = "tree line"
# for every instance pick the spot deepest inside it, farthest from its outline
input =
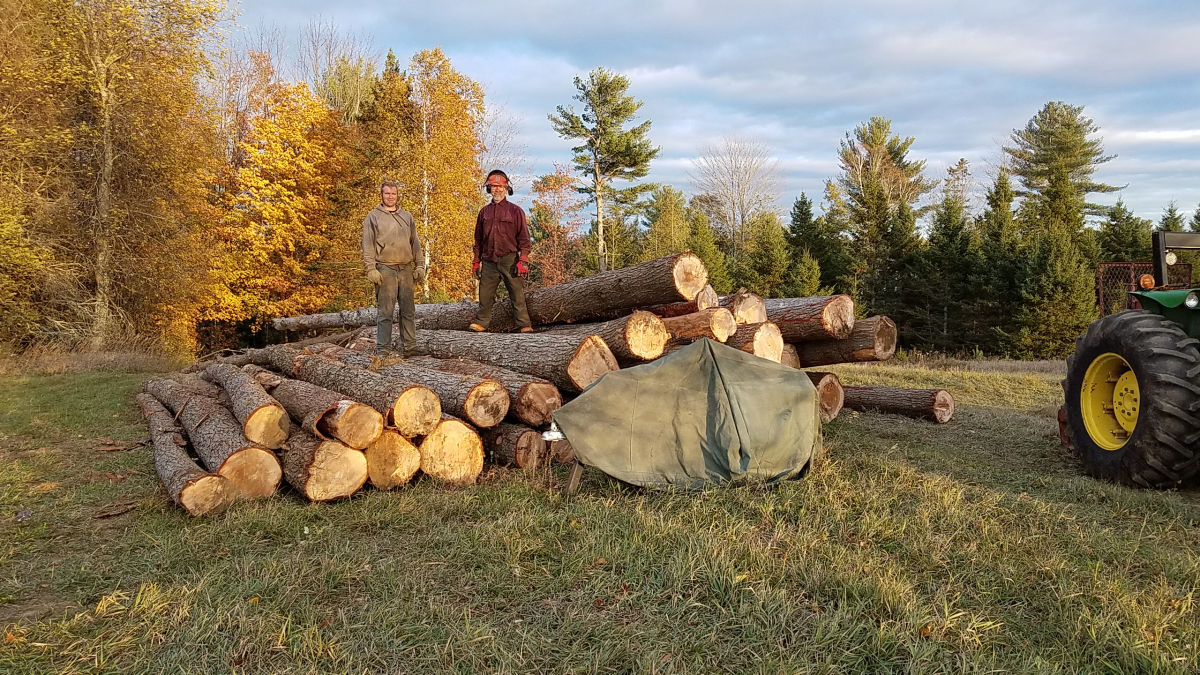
(159, 185)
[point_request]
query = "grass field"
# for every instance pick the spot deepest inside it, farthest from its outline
(974, 546)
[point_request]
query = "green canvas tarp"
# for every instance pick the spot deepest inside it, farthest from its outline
(706, 413)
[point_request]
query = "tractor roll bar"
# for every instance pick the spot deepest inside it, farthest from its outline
(1166, 241)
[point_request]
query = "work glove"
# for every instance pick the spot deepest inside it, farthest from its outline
(375, 277)
(419, 275)
(522, 267)
(476, 268)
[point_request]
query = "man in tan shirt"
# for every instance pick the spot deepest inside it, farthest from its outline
(394, 260)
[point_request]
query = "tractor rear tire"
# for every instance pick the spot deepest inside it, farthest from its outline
(1132, 395)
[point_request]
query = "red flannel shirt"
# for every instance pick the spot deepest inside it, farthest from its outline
(500, 229)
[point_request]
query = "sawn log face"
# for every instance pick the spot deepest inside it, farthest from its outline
(264, 420)
(323, 470)
(531, 400)
(872, 339)
(818, 318)
(571, 362)
(196, 490)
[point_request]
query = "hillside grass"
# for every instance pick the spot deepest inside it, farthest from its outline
(974, 546)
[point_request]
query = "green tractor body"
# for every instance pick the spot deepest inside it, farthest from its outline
(1132, 408)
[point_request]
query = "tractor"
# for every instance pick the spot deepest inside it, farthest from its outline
(1132, 408)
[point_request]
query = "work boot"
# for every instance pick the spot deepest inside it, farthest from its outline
(527, 329)
(478, 328)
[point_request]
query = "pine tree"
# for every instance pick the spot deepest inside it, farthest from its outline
(1194, 223)
(943, 302)
(993, 286)
(764, 268)
(1124, 237)
(1172, 219)
(1058, 298)
(607, 151)
(702, 242)
(819, 238)
(804, 279)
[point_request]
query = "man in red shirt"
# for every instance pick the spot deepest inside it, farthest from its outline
(501, 253)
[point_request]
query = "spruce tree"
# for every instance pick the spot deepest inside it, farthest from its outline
(1194, 223)
(1172, 219)
(943, 282)
(1123, 237)
(993, 287)
(766, 265)
(1058, 297)
(821, 238)
(804, 280)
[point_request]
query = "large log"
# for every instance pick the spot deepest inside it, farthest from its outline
(759, 339)
(562, 452)
(705, 299)
(831, 395)
(640, 336)
(602, 296)
(531, 400)
(196, 490)
(482, 401)
(452, 452)
(714, 323)
(872, 339)
(322, 469)
(392, 460)
(244, 357)
(790, 357)
(515, 445)
(348, 318)
(264, 420)
(218, 439)
(322, 413)
(747, 307)
(819, 318)
(572, 362)
(936, 405)
(412, 409)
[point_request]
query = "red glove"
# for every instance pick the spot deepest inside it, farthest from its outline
(476, 268)
(522, 267)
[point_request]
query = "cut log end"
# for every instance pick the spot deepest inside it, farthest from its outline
(562, 452)
(255, 472)
(943, 407)
(337, 471)
(592, 359)
(392, 460)
(789, 356)
(268, 426)
(530, 450)
(453, 453)
(690, 275)
(487, 404)
(831, 396)
(838, 317)
(646, 335)
(723, 324)
(416, 412)
(536, 402)
(352, 423)
(207, 495)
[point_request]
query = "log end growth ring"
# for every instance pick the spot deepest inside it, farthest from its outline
(337, 471)
(254, 471)
(206, 495)
(392, 460)
(268, 426)
(837, 317)
(592, 359)
(690, 275)
(487, 404)
(416, 412)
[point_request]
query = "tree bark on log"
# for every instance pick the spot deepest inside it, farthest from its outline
(264, 420)
(936, 405)
(392, 460)
(322, 469)
(562, 452)
(242, 358)
(789, 356)
(638, 337)
(532, 400)
(452, 452)
(413, 410)
(572, 362)
(349, 318)
(831, 395)
(747, 307)
(196, 490)
(759, 339)
(515, 445)
(601, 296)
(714, 323)
(705, 299)
(218, 440)
(819, 318)
(481, 401)
(322, 413)
(872, 339)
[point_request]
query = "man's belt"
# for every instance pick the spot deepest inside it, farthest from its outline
(397, 266)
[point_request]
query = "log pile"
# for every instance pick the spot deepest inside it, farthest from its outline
(339, 416)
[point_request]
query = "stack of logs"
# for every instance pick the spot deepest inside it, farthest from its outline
(329, 417)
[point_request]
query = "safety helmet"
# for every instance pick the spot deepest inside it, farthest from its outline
(497, 177)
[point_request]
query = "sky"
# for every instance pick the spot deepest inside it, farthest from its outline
(958, 77)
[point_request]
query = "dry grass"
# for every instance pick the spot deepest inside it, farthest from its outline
(57, 359)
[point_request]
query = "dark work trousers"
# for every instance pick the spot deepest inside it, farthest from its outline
(397, 285)
(489, 280)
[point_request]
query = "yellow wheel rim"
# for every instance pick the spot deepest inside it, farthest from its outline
(1109, 400)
